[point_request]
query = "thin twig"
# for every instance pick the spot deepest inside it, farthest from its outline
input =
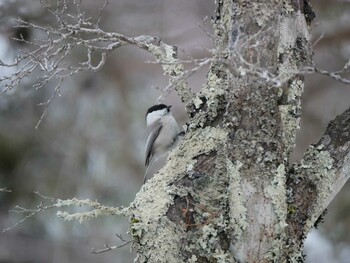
(50, 56)
(108, 248)
(318, 40)
(48, 102)
(100, 13)
(333, 75)
(205, 30)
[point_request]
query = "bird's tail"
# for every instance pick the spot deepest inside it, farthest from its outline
(148, 168)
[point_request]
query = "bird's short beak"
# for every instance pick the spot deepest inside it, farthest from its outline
(169, 107)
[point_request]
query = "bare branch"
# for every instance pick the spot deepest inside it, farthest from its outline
(100, 13)
(334, 75)
(108, 248)
(318, 40)
(50, 55)
(47, 103)
(205, 30)
(121, 237)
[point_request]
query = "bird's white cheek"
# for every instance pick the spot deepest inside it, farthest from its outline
(152, 117)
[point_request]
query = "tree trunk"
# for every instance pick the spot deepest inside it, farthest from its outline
(227, 192)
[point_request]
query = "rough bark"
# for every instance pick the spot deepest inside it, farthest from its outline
(315, 180)
(227, 192)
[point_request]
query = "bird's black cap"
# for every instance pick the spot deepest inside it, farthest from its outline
(158, 107)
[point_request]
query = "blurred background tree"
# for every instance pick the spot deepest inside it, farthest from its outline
(90, 142)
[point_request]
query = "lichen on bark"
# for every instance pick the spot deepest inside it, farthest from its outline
(227, 192)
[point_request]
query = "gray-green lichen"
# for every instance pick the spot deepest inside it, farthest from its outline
(287, 7)
(237, 204)
(277, 192)
(242, 178)
(149, 210)
(206, 241)
(98, 209)
(210, 98)
(345, 170)
(193, 259)
(292, 27)
(163, 234)
(168, 57)
(223, 24)
(263, 14)
(318, 166)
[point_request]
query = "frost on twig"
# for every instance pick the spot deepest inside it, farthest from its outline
(97, 209)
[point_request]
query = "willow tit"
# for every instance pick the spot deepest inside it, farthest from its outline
(163, 132)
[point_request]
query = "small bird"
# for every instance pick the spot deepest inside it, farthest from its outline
(163, 132)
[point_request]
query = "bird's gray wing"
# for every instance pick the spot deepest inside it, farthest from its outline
(154, 132)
